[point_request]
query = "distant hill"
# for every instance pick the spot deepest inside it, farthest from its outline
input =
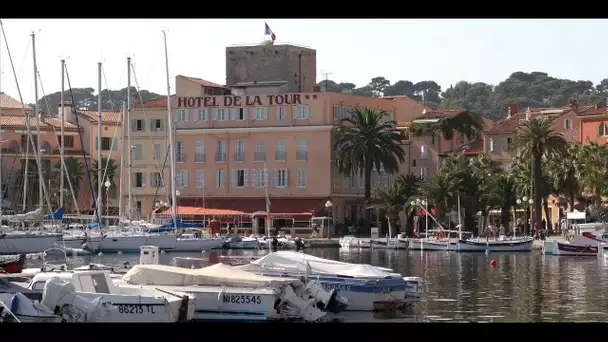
(87, 98)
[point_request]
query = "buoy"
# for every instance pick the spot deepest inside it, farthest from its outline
(119, 252)
(100, 254)
(162, 252)
(493, 263)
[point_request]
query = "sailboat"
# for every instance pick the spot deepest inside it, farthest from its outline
(16, 242)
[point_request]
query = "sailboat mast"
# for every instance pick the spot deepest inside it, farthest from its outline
(171, 138)
(100, 166)
(1, 136)
(129, 149)
(37, 109)
(61, 148)
(121, 210)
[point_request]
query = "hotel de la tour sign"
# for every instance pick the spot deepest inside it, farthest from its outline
(242, 101)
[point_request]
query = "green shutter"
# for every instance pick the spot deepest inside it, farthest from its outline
(114, 144)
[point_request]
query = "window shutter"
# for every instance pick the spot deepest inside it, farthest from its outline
(254, 177)
(233, 178)
(245, 174)
(114, 144)
(244, 113)
(185, 178)
(187, 116)
(286, 177)
(265, 178)
(143, 180)
(96, 143)
(274, 178)
(133, 125)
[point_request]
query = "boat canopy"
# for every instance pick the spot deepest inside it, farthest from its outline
(55, 215)
(294, 262)
(216, 275)
(169, 226)
(31, 216)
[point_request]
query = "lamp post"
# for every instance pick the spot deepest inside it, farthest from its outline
(525, 203)
(107, 184)
(328, 206)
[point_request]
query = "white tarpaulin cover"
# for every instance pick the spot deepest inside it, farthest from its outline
(216, 275)
(294, 262)
(31, 216)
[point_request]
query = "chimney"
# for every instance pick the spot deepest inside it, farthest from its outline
(67, 108)
(528, 113)
(316, 89)
(573, 104)
(511, 109)
(135, 98)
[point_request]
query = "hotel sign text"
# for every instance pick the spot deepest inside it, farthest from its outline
(239, 101)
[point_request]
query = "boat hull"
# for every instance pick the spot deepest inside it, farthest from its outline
(197, 245)
(27, 243)
(132, 243)
(430, 245)
(520, 245)
(566, 249)
(247, 244)
(76, 242)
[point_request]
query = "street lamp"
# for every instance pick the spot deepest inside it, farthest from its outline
(107, 184)
(328, 206)
(525, 203)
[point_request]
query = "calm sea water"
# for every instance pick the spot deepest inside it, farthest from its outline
(523, 287)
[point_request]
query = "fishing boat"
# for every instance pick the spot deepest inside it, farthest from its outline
(237, 242)
(523, 244)
(366, 287)
(581, 245)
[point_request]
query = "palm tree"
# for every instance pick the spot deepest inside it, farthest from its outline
(535, 139)
(564, 173)
(108, 170)
(466, 123)
(391, 200)
(75, 173)
(504, 195)
(411, 184)
(365, 141)
(593, 160)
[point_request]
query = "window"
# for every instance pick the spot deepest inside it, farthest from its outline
(157, 125)
(424, 171)
(301, 112)
(280, 150)
(259, 154)
(181, 179)
(424, 152)
(567, 124)
(239, 114)
(201, 114)
(239, 178)
(220, 151)
(260, 113)
(301, 153)
(199, 151)
(157, 154)
(259, 178)
(281, 113)
(220, 114)
(69, 141)
(181, 115)
(301, 178)
(602, 130)
(137, 152)
(508, 141)
(239, 150)
(208, 91)
(341, 112)
(156, 180)
(413, 162)
(138, 125)
(200, 178)
(139, 180)
(279, 178)
(220, 178)
(180, 156)
(491, 145)
(107, 144)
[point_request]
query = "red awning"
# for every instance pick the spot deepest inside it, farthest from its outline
(422, 213)
(279, 207)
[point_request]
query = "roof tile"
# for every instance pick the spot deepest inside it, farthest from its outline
(7, 102)
(203, 82)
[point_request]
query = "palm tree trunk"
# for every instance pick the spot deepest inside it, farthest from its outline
(390, 227)
(571, 202)
(537, 174)
(547, 214)
(367, 175)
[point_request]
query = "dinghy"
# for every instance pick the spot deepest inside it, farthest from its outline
(580, 245)
(366, 287)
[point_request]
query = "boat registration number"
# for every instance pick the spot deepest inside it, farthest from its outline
(135, 309)
(242, 299)
(339, 287)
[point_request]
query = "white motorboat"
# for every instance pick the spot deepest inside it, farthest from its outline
(87, 241)
(237, 242)
(18, 304)
(503, 244)
(120, 304)
(388, 243)
(130, 242)
(190, 242)
(18, 242)
(366, 287)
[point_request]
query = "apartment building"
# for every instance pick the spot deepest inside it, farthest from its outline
(12, 106)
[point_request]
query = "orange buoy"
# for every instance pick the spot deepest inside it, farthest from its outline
(493, 263)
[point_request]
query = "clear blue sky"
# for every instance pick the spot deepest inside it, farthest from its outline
(446, 51)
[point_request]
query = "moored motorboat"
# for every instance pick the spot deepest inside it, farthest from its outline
(130, 242)
(192, 242)
(237, 242)
(366, 287)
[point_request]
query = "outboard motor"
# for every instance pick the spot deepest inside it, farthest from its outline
(274, 243)
(328, 301)
(299, 244)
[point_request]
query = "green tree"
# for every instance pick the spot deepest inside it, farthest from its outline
(411, 185)
(534, 140)
(390, 200)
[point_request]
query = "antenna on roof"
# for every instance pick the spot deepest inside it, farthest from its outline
(326, 76)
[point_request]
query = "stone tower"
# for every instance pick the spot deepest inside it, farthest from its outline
(296, 65)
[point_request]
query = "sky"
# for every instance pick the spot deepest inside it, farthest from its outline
(446, 51)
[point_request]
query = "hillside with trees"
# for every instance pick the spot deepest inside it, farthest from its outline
(535, 89)
(86, 98)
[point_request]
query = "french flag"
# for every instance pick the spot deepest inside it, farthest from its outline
(269, 32)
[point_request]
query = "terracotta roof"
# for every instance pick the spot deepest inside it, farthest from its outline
(182, 210)
(587, 111)
(510, 124)
(472, 148)
(8, 102)
(18, 121)
(202, 82)
(159, 102)
(441, 113)
(106, 117)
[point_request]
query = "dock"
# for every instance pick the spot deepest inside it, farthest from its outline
(538, 244)
(323, 243)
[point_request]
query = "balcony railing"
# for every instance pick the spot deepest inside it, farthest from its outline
(302, 155)
(259, 156)
(280, 155)
(220, 156)
(200, 157)
(239, 156)
(180, 157)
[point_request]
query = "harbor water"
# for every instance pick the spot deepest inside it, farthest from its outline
(463, 287)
